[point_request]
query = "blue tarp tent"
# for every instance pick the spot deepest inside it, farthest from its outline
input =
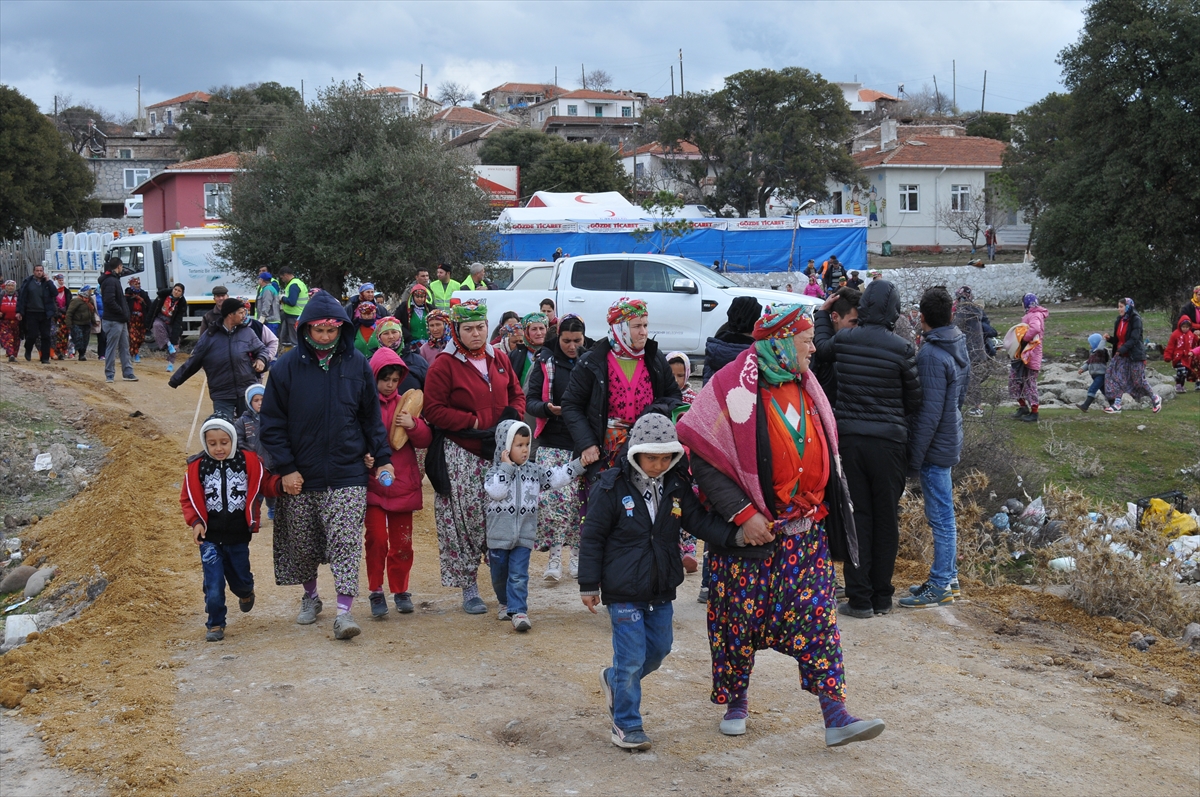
(752, 245)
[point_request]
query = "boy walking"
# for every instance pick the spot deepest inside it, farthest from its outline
(629, 559)
(513, 485)
(219, 497)
(945, 369)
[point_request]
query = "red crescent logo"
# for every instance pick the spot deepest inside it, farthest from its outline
(579, 198)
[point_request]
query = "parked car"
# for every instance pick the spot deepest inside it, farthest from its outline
(688, 302)
(133, 207)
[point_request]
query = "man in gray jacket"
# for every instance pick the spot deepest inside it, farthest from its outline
(935, 441)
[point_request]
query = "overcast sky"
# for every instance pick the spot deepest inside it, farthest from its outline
(94, 51)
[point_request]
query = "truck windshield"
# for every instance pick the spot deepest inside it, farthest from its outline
(132, 256)
(704, 273)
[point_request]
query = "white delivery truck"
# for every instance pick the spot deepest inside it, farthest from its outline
(687, 301)
(162, 259)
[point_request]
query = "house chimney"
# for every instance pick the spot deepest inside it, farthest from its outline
(887, 135)
(426, 94)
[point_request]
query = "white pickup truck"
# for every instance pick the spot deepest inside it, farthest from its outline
(687, 301)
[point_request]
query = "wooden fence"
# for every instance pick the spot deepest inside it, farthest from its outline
(18, 257)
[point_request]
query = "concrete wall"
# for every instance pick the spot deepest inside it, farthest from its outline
(110, 175)
(998, 284)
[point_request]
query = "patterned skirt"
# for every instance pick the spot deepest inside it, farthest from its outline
(560, 512)
(10, 336)
(461, 518)
(1122, 376)
(319, 527)
(785, 603)
(137, 333)
(1022, 383)
(62, 336)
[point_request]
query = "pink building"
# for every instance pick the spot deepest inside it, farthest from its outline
(188, 194)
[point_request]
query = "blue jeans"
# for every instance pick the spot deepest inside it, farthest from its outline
(1097, 385)
(224, 562)
(938, 489)
(510, 577)
(116, 341)
(641, 639)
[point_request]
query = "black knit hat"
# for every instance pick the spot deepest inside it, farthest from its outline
(231, 306)
(743, 312)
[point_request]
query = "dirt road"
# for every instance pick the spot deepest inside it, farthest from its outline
(1010, 692)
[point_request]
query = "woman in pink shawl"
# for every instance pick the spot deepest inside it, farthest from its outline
(1023, 374)
(764, 451)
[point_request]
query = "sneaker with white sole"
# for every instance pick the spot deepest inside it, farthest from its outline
(521, 622)
(553, 569)
(502, 615)
(574, 571)
(859, 731)
(635, 739)
(344, 626)
(930, 596)
(1157, 403)
(215, 634)
(378, 604)
(955, 589)
(606, 689)
(309, 609)
(404, 603)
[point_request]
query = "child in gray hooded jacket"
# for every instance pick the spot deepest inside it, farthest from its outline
(513, 484)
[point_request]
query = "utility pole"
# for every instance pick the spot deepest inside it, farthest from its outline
(954, 80)
(937, 97)
(421, 78)
(983, 100)
(682, 93)
(139, 112)
(556, 76)
(582, 77)
(301, 92)
(672, 80)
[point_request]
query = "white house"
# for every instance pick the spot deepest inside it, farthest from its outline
(586, 115)
(911, 179)
(167, 114)
(409, 102)
(656, 168)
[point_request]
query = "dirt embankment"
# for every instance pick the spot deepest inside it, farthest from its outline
(1009, 692)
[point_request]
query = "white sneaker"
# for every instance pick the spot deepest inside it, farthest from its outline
(502, 615)
(574, 563)
(553, 569)
(521, 622)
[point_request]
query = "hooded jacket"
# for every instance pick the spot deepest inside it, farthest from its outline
(417, 366)
(878, 389)
(116, 307)
(625, 555)
(194, 501)
(721, 350)
(945, 369)
(81, 312)
(513, 491)
(227, 357)
(320, 422)
(585, 404)
(404, 494)
(1180, 344)
(552, 429)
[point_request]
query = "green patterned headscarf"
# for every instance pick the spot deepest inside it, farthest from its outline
(465, 313)
(535, 318)
(774, 342)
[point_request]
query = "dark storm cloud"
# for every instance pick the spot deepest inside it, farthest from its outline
(178, 47)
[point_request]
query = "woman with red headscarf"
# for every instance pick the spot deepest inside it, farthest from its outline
(764, 452)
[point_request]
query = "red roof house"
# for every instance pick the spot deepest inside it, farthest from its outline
(189, 194)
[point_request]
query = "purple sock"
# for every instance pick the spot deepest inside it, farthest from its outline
(310, 588)
(835, 712)
(344, 603)
(739, 708)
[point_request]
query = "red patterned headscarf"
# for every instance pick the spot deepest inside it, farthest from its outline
(619, 315)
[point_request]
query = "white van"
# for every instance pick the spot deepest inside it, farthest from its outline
(133, 207)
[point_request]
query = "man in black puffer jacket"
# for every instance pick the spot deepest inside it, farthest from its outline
(733, 337)
(114, 322)
(878, 392)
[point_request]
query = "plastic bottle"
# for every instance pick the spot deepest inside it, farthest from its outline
(385, 479)
(83, 446)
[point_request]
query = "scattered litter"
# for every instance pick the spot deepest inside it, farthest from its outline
(1063, 564)
(43, 462)
(17, 628)
(16, 579)
(17, 605)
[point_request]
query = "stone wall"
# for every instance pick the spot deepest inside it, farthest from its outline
(995, 285)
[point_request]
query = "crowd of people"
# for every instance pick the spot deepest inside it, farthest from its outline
(597, 451)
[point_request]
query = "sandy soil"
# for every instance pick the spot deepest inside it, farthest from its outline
(1009, 692)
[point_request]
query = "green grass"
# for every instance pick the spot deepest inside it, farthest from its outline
(1136, 463)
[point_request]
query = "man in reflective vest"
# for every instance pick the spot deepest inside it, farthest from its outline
(292, 298)
(442, 287)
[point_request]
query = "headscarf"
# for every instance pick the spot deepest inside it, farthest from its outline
(874, 273)
(1030, 300)
(465, 313)
(225, 425)
(386, 323)
(535, 318)
(1128, 305)
(421, 289)
(324, 350)
(964, 294)
(1196, 296)
(366, 286)
(10, 282)
(507, 330)
(778, 360)
(1095, 341)
(444, 317)
(619, 315)
(358, 310)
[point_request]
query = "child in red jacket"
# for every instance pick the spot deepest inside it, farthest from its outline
(390, 507)
(219, 499)
(1179, 353)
